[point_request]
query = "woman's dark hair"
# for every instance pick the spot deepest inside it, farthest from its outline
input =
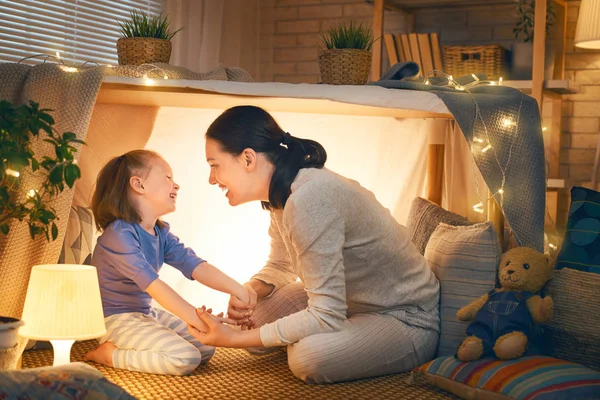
(250, 127)
(111, 199)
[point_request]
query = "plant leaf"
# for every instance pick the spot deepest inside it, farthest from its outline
(56, 174)
(54, 231)
(4, 228)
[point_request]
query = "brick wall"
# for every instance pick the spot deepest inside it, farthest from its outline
(290, 32)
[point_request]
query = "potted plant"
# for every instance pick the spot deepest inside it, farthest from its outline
(522, 49)
(145, 39)
(345, 58)
(18, 126)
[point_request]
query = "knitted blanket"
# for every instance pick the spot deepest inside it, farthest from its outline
(508, 121)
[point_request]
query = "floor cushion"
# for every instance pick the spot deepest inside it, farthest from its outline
(526, 378)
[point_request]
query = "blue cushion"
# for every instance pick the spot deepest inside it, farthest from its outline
(581, 247)
(74, 381)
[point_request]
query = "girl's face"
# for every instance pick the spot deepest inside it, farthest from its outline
(158, 186)
(242, 178)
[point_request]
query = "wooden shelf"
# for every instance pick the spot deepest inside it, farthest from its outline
(555, 86)
(410, 5)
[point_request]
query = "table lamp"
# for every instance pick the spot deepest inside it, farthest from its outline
(587, 36)
(63, 305)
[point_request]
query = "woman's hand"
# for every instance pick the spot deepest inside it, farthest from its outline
(215, 332)
(239, 309)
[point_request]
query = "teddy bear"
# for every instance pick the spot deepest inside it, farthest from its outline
(503, 319)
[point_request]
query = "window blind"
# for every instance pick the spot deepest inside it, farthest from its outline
(80, 30)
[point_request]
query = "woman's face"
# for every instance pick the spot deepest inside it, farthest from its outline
(237, 176)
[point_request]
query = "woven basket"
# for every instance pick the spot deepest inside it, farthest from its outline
(344, 66)
(140, 50)
(465, 60)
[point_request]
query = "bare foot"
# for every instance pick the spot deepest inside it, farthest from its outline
(102, 354)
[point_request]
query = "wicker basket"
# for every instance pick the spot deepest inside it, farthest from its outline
(344, 66)
(140, 50)
(464, 60)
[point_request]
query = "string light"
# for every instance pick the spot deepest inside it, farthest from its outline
(68, 69)
(12, 172)
(544, 129)
(486, 148)
(478, 207)
(500, 81)
(31, 193)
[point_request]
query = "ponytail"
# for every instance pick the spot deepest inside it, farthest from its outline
(299, 153)
(243, 127)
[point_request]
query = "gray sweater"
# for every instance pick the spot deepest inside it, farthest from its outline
(350, 253)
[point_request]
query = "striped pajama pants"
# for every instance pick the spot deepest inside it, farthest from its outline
(370, 344)
(158, 343)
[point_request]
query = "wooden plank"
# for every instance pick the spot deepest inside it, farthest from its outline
(414, 50)
(436, 51)
(406, 47)
(560, 40)
(435, 173)
(496, 217)
(390, 47)
(539, 44)
(425, 51)
(555, 139)
(116, 93)
(399, 48)
(378, 45)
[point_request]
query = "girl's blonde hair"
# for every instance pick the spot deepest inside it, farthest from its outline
(111, 200)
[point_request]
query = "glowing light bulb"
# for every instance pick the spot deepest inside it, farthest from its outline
(486, 148)
(544, 129)
(68, 69)
(58, 55)
(507, 122)
(501, 191)
(12, 172)
(148, 81)
(478, 139)
(31, 193)
(165, 77)
(500, 81)
(427, 82)
(478, 208)
(552, 246)
(493, 83)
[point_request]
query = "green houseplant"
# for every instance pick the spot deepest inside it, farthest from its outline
(345, 57)
(522, 49)
(145, 39)
(19, 125)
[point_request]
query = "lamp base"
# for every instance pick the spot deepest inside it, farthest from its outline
(62, 351)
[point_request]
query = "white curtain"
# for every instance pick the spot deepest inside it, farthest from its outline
(214, 32)
(386, 155)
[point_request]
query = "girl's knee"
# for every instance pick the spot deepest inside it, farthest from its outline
(186, 362)
(206, 353)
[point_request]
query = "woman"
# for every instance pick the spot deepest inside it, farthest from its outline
(344, 288)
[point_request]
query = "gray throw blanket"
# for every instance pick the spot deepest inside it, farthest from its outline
(519, 150)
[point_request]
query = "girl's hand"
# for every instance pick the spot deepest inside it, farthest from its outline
(216, 333)
(240, 309)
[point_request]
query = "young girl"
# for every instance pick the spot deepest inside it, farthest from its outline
(132, 192)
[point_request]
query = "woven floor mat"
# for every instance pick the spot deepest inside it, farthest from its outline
(234, 374)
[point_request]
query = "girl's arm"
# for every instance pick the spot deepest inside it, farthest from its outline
(171, 301)
(214, 278)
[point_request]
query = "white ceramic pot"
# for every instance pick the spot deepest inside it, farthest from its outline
(9, 332)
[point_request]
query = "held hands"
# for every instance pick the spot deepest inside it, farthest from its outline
(214, 332)
(241, 307)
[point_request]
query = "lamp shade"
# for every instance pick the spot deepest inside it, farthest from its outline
(587, 34)
(63, 302)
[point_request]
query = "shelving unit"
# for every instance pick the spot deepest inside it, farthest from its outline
(537, 87)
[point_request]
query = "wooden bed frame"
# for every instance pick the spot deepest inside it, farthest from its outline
(180, 96)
